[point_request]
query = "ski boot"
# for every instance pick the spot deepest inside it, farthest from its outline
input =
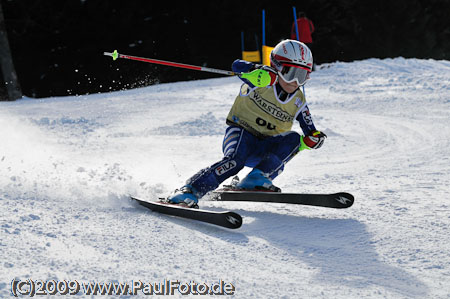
(185, 196)
(232, 185)
(256, 180)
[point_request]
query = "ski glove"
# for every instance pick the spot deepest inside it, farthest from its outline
(314, 139)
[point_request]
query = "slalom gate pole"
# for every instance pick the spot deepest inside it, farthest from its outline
(298, 38)
(258, 77)
(263, 27)
(295, 22)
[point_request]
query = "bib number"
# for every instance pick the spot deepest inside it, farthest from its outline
(263, 123)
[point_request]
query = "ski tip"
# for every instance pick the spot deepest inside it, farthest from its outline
(234, 220)
(225, 219)
(344, 199)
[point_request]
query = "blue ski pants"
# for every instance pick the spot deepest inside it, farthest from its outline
(241, 148)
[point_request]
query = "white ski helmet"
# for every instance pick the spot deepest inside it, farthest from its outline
(293, 61)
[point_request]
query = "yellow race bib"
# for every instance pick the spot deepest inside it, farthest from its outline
(261, 112)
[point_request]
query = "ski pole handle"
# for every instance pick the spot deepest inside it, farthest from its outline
(259, 77)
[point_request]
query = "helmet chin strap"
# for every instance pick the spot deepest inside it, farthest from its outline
(281, 93)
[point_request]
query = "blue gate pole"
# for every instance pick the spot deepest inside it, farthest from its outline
(298, 38)
(263, 27)
(295, 21)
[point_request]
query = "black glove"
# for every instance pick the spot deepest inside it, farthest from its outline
(264, 67)
(314, 139)
(272, 72)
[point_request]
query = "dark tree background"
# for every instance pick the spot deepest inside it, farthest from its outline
(58, 45)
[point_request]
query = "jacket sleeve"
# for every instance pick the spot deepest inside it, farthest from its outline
(242, 66)
(305, 120)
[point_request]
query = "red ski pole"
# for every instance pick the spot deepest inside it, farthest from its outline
(116, 55)
(260, 78)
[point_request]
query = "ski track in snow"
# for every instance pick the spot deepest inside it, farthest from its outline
(68, 164)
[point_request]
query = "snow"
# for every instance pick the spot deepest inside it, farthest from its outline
(68, 164)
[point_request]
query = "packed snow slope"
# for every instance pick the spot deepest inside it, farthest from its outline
(68, 164)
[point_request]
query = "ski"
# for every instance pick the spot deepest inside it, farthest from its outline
(225, 219)
(340, 200)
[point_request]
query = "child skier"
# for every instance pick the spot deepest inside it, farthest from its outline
(260, 121)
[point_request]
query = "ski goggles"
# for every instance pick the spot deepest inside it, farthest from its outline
(291, 73)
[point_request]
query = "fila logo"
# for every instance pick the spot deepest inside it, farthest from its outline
(225, 167)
